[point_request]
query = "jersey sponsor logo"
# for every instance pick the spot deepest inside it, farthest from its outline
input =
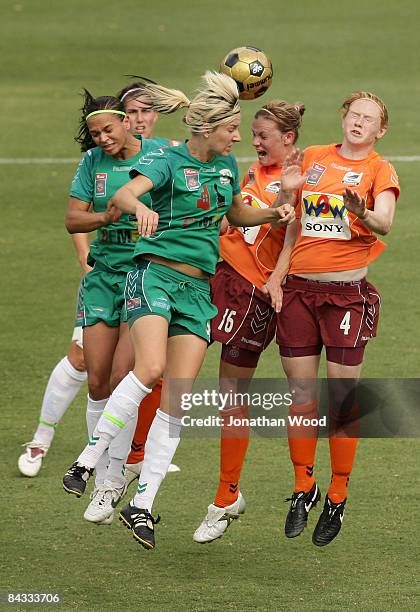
(133, 303)
(192, 179)
(324, 215)
(121, 168)
(226, 176)
(273, 187)
(338, 167)
(315, 173)
(100, 184)
(250, 233)
(352, 178)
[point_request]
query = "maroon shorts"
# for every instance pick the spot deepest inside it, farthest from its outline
(337, 315)
(245, 321)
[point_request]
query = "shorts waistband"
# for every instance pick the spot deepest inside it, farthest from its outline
(346, 287)
(202, 284)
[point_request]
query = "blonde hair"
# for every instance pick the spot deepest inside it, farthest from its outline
(366, 95)
(288, 117)
(216, 102)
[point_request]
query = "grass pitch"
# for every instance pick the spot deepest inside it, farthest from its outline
(321, 52)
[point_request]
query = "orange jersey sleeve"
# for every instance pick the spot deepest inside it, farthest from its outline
(329, 237)
(253, 251)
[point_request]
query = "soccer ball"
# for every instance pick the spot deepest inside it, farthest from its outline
(251, 69)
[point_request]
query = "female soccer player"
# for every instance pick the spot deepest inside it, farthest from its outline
(347, 195)
(168, 295)
(246, 293)
(107, 347)
(69, 374)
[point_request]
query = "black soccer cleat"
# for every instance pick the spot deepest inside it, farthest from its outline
(329, 523)
(75, 479)
(141, 523)
(302, 504)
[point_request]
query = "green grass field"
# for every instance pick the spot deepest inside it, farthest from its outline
(321, 51)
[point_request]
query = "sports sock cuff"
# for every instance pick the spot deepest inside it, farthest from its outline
(71, 371)
(96, 405)
(137, 382)
(168, 418)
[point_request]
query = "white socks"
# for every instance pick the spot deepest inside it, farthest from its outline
(121, 408)
(161, 444)
(63, 386)
(94, 412)
(118, 451)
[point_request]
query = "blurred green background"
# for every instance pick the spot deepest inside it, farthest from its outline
(321, 51)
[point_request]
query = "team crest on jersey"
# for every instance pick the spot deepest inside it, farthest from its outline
(324, 215)
(192, 179)
(273, 187)
(352, 178)
(315, 173)
(225, 176)
(100, 184)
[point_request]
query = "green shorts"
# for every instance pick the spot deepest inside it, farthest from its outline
(101, 298)
(183, 300)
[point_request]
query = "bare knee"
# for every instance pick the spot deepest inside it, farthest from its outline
(149, 374)
(98, 386)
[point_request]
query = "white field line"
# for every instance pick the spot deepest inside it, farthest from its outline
(70, 160)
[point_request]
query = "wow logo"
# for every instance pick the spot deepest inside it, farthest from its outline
(324, 216)
(323, 205)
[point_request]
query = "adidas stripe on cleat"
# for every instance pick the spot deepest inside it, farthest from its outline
(141, 523)
(302, 504)
(76, 478)
(329, 523)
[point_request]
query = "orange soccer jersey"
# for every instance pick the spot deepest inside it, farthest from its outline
(253, 251)
(329, 237)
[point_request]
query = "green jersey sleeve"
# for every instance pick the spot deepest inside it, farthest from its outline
(155, 167)
(236, 185)
(82, 186)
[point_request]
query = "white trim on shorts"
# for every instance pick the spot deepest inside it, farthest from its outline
(77, 336)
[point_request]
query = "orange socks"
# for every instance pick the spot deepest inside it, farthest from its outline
(147, 411)
(342, 452)
(302, 445)
(234, 442)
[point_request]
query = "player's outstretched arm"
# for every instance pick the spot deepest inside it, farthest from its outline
(240, 214)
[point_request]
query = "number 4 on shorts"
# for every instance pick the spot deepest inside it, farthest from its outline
(345, 323)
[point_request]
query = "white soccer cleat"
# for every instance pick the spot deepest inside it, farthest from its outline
(104, 500)
(30, 462)
(218, 520)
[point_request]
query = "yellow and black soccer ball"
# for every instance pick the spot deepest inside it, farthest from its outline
(251, 69)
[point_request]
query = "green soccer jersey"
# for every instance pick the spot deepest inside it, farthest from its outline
(191, 198)
(97, 179)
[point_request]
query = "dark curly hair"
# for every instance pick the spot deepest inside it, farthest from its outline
(91, 105)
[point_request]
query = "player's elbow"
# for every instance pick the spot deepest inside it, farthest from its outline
(70, 226)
